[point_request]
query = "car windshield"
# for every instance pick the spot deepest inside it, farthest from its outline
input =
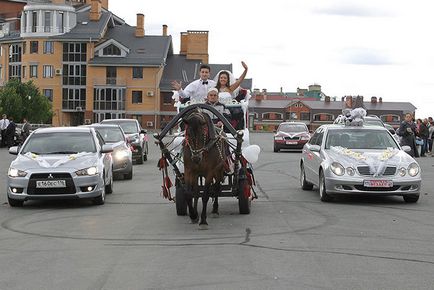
(128, 127)
(360, 139)
(373, 122)
(110, 135)
(292, 128)
(60, 143)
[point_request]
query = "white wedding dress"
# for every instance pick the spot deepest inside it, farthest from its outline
(225, 97)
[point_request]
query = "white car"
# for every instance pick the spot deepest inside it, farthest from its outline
(60, 163)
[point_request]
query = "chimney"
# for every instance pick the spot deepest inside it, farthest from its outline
(380, 100)
(373, 100)
(95, 10)
(327, 99)
(164, 30)
(140, 28)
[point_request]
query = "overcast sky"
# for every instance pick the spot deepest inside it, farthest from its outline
(382, 48)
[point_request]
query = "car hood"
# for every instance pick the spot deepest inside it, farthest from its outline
(74, 161)
(286, 134)
(366, 157)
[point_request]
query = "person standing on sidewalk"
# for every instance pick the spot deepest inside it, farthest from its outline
(4, 123)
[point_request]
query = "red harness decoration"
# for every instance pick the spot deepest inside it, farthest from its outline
(167, 183)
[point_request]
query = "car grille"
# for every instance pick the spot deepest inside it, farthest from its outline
(363, 188)
(364, 170)
(69, 189)
(292, 138)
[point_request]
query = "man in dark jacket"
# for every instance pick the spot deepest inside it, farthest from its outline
(407, 130)
(25, 131)
(423, 134)
(10, 132)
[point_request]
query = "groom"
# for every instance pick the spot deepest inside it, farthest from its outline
(198, 89)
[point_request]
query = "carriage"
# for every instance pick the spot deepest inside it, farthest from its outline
(237, 182)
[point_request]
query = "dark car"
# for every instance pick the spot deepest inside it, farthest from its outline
(136, 136)
(122, 155)
(291, 135)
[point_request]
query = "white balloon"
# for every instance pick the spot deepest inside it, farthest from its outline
(251, 153)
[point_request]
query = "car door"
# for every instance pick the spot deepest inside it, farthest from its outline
(106, 159)
(312, 158)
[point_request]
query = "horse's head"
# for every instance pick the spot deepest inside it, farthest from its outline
(196, 133)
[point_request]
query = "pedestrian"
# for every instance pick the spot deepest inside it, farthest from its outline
(10, 133)
(4, 123)
(25, 130)
(407, 130)
(423, 134)
(197, 90)
(430, 135)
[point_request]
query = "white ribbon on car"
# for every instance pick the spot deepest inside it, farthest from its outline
(44, 163)
(377, 166)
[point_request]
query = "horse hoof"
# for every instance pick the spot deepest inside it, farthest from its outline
(194, 221)
(214, 215)
(203, 226)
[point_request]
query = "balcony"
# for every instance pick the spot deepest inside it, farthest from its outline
(110, 82)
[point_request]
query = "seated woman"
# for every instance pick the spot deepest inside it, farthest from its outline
(227, 86)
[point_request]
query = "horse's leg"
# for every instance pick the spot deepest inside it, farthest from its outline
(189, 199)
(215, 205)
(205, 197)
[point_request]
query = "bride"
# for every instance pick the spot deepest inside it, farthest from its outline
(227, 85)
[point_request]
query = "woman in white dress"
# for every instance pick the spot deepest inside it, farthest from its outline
(227, 85)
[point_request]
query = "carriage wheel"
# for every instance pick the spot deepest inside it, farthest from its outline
(244, 201)
(181, 204)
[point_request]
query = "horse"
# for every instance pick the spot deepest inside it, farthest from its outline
(204, 155)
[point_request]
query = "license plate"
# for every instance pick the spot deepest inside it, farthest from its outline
(378, 183)
(291, 142)
(50, 183)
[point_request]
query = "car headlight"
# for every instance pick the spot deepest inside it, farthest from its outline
(351, 171)
(402, 171)
(305, 138)
(337, 168)
(413, 169)
(13, 172)
(120, 154)
(87, 171)
(278, 138)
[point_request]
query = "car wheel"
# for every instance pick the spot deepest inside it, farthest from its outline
(129, 175)
(276, 149)
(145, 152)
(109, 187)
(244, 202)
(324, 196)
(140, 159)
(303, 183)
(15, 202)
(181, 204)
(100, 200)
(412, 198)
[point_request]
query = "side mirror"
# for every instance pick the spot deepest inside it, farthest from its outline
(406, 148)
(392, 131)
(315, 148)
(143, 131)
(14, 150)
(106, 148)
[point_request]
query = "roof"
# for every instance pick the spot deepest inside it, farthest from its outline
(62, 130)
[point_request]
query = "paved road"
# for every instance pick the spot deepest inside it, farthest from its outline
(290, 241)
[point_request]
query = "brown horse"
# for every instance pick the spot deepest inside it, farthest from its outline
(204, 156)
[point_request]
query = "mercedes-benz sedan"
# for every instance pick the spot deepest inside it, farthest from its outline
(363, 160)
(60, 163)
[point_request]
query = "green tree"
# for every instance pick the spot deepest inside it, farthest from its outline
(24, 100)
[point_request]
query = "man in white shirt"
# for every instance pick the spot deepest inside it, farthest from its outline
(4, 123)
(198, 89)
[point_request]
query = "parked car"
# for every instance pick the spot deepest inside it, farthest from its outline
(393, 132)
(364, 160)
(60, 163)
(291, 135)
(122, 155)
(137, 137)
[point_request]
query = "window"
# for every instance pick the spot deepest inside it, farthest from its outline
(305, 116)
(34, 21)
(291, 115)
(137, 97)
(109, 99)
(60, 22)
(33, 47)
(111, 74)
(324, 117)
(47, 21)
(74, 52)
(47, 71)
(34, 71)
(15, 53)
(48, 93)
(167, 98)
(111, 50)
(73, 98)
(48, 47)
(137, 73)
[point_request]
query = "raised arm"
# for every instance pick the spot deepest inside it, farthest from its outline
(235, 85)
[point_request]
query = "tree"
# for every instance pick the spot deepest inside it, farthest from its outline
(24, 100)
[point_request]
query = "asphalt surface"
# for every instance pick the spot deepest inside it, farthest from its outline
(290, 240)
